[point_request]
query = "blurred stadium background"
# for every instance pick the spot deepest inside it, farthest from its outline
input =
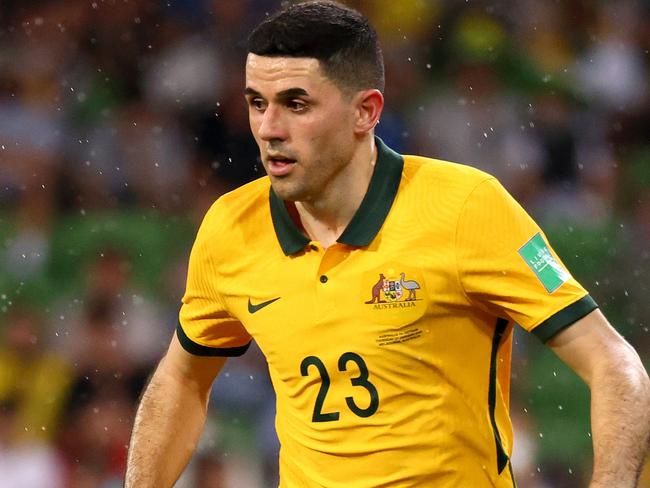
(122, 120)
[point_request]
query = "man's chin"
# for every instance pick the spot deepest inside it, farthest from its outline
(287, 191)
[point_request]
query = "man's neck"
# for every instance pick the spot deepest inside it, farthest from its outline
(326, 218)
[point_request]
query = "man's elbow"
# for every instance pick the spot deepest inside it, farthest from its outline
(623, 372)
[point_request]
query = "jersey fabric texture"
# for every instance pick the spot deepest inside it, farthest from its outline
(390, 350)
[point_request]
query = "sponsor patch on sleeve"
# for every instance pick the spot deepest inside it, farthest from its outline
(539, 258)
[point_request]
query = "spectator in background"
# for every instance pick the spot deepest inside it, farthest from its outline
(578, 180)
(23, 463)
(475, 120)
(93, 437)
(33, 127)
(138, 156)
(30, 147)
(209, 472)
(114, 317)
(33, 388)
(612, 72)
(34, 381)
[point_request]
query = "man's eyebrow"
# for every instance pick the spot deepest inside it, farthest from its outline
(292, 92)
(283, 95)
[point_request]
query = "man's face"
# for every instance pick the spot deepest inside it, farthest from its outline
(302, 122)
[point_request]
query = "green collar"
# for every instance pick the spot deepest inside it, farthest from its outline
(368, 218)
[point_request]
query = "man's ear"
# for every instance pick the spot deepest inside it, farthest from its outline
(369, 105)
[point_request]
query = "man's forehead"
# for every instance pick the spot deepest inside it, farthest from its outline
(277, 67)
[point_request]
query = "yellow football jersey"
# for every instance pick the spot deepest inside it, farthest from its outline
(390, 350)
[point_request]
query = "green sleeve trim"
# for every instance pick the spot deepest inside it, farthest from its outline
(564, 318)
(199, 350)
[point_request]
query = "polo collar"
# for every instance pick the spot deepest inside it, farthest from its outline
(368, 218)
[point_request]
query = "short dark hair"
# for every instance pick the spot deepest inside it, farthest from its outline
(339, 37)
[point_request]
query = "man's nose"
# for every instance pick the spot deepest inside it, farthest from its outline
(272, 126)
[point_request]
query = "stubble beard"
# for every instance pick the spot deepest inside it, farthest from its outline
(297, 187)
(287, 191)
(311, 184)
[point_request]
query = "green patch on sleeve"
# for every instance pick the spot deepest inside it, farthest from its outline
(539, 258)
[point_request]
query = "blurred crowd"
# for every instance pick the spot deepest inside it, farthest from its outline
(122, 120)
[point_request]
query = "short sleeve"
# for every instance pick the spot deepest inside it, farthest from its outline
(507, 267)
(206, 328)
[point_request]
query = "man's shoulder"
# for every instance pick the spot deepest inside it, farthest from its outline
(437, 169)
(244, 205)
(246, 194)
(454, 180)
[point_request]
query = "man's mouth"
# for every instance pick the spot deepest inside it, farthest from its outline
(279, 165)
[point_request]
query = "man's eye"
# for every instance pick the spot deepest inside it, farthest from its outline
(297, 105)
(257, 104)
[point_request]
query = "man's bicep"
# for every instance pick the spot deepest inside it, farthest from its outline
(190, 368)
(590, 343)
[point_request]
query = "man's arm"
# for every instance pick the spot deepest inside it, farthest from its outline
(620, 397)
(170, 418)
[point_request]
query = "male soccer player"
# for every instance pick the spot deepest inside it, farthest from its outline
(382, 290)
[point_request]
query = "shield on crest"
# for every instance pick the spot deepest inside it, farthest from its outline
(392, 290)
